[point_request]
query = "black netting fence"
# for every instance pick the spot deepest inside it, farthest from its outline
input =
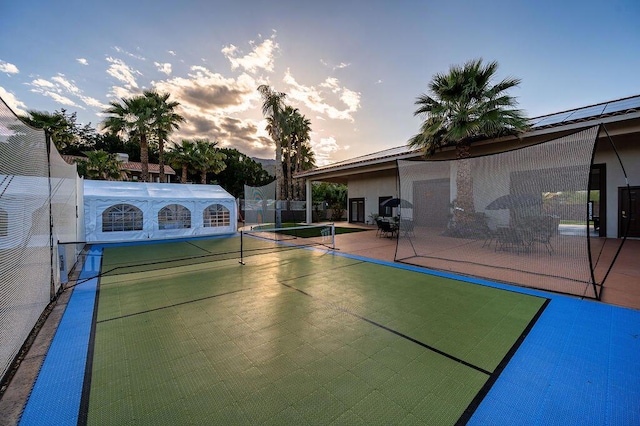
(260, 204)
(519, 216)
(38, 210)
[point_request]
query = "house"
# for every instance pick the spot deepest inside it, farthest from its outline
(373, 178)
(132, 170)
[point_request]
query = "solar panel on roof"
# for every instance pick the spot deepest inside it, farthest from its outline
(553, 119)
(592, 111)
(622, 105)
(373, 156)
(533, 122)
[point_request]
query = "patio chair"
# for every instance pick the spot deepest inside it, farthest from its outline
(542, 229)
(486, 231)
(379, 222)
(509, 238)
(386, 228)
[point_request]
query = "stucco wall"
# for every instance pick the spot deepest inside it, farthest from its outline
(630, 156)
(383, 185)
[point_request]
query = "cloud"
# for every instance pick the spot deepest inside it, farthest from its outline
(121, 92)
(313, 98)
(261, 56)
(61, 99)
(93, 102)
(59, 88)
(379, 82)
(351, 99)
(8, 68)
(215, 107)
(231, 132)
(69, 86)
(211, 93)
(131, 55)
(82, 61)
(164, 67)
(171, 52)
(323, 149)
(332, 84)
(40, 82)
(122, 72)
(340, 66)
(17, 106)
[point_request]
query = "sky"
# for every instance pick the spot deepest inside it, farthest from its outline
(354, 68)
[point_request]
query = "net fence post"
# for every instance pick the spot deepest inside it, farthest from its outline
(241, 248)
(52, 285)
(333, 236)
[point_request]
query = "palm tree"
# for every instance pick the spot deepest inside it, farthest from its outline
(303, 154)
(306, 159)
(464, 107)
(165, 120)
(288, 124)
(59, 126)
(181, 157)
(99, 165)
(208, 158)
(133, 117)
(272, 108)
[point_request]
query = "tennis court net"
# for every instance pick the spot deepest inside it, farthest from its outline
(286, 238)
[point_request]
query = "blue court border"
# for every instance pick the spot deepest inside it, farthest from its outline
(578, 364)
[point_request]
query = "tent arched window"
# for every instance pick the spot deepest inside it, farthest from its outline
(4, 223)
(174, 216)
(216, 215)
(122, 217)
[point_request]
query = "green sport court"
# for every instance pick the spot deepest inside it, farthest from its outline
(182, 333)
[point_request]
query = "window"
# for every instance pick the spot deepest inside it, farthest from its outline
(384, 211)
(4, 223)
(216, 215)
(174, 216)
(122, 217)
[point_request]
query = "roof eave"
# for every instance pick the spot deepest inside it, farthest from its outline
(533, 133)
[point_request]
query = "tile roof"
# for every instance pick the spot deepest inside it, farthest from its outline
(131, 166)
(153, 168)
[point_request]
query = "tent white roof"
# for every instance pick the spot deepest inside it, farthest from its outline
(157, 191)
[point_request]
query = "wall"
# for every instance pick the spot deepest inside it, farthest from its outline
(371, 187)
(628, 149)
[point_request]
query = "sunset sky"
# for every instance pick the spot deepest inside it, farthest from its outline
(354, 68)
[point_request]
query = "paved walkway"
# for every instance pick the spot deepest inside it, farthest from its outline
(622, 286)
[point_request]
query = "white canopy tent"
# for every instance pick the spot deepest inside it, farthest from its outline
(128, 211)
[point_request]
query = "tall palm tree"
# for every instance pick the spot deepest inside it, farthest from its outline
(181, 157)
(465, 107)
(272, 108)
(305, 157)
(165, 120)
(302, 149)
(208, 158)
(288, 124)
(133, 117)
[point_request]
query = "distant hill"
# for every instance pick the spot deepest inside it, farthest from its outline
(268, 164)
